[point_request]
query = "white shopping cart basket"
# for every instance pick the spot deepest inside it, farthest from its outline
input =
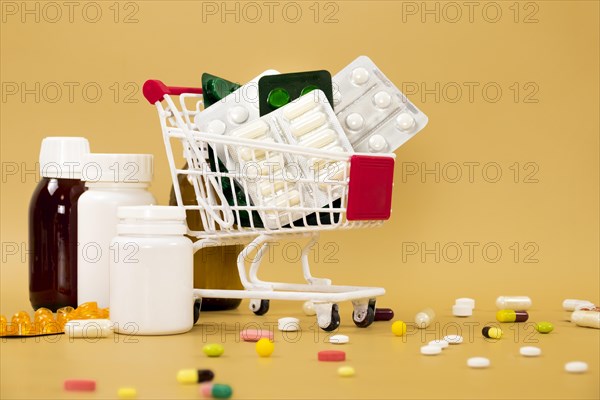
(357, 188)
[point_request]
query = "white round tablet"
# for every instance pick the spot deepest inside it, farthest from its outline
(339, 339)
(337, 98)
(309, 308)
(359, 76)
(465, 301)
(461, 311)
(530, 351)
(355, 121)
(238, 114)
(478, 362)
(377, 142)
(441, 343)
(288, 324)
(217, 126)
(430, 350)
(576, 367)
(405, 121)
(382, 99)
(453, 339)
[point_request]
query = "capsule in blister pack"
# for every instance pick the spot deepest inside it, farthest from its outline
(309, 122)
(376, 116)
(222, 117)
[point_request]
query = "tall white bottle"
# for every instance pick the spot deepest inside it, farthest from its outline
(112, 180)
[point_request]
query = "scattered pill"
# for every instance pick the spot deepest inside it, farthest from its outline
(478, 362)
(431, 350)
(576, 367)
(461, 311)
(453, 339)
(339, 339)
(345, 371)
(264, 347)
(288, 324)
(186, 376)
(399, 328)
(220, 391)
(491, 332)
(213, 350)
(439, 343)
(405, 121)
(127, 393)
(87, 385)
(253, 335)
(384, 314)
(309, 308)
(359, 76)
(331, 355)
(544, 327)
(530, 351)
(465, 301)
(206, 389)
(513, 302)
(589, 319)
(512, 316)
(572, 304)
(424, 318)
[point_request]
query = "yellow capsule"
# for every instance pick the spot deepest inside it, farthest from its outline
(3, 325)
(346, 371)
(264, 347)
(90, 306)
(62, 315)
(127, 393)
(41, 312)
(21, 322)
(399, 328)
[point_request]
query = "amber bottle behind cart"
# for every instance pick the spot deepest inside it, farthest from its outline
(53, 224)
(214, 267)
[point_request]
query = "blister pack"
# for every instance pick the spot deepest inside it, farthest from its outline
(215, 89)
(376, 116)
(275, 91)
(309, 122)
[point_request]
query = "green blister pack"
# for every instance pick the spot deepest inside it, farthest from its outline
(215, 89)
(276, 91)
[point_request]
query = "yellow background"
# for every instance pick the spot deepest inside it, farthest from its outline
(550, 208)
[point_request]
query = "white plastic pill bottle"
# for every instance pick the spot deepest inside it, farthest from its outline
(112, 180)
(152, 272)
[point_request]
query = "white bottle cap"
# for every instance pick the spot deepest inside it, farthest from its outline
(152, 220)
(62, 157)
(117, 168)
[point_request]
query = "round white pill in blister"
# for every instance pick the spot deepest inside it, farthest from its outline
(382, 99)
(453, 339)
(377, 142)
(530, 351)
(439, 343)
(288, 324)
(355, 121)
(576, 367)
(430, 350)
(359, 76)
(337, 98)
(238, 114)
(217, 126)
(405, 121)
(478, 362)
(339, 339)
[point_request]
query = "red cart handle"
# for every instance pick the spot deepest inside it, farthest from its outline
(154, 90)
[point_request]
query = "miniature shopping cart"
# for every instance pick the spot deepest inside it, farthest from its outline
(359, 191)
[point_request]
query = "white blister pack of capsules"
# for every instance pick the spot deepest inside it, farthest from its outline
(376, 116)
(309, 122)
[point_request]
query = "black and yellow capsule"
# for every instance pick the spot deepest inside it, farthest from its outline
(194, 375)
(491, 332)
(512, 316)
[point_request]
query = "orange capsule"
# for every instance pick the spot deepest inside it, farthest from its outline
(21, 322)
(62, 316)
(3, 324)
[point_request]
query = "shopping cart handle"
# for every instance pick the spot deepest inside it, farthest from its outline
(154, 90)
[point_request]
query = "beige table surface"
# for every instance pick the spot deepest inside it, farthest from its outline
(387, 367)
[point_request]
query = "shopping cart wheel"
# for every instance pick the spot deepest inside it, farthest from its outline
(197, 305)
(259, 307)
(334, 322)
(364, 317)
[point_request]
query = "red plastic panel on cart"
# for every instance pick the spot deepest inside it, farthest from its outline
(370, 188)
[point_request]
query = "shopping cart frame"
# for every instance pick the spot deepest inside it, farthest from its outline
(358, 210)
